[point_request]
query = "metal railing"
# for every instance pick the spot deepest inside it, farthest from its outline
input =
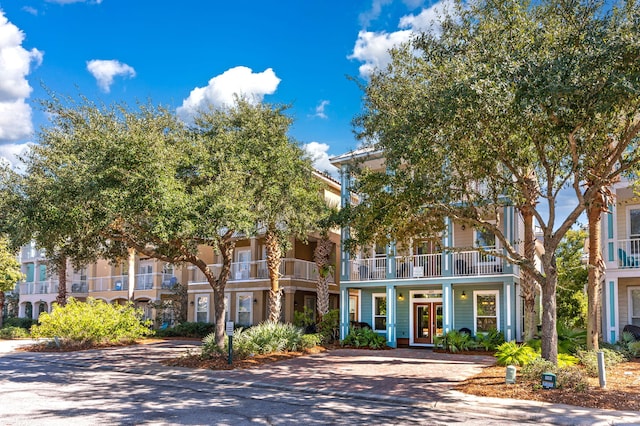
(258, 270)
(628, 253)
(466, 263)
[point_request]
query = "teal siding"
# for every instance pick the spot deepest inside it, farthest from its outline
(402, 319)
(463, 308)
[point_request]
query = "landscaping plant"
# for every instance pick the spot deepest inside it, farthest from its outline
(454, 341)
(512, 353)
(364, 338)
(92, 322)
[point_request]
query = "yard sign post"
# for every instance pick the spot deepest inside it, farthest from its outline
(230, 334)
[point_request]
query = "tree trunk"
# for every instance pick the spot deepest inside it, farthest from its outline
(132, 273)
(1, 308)
(322, 255)
(61, 298)
(218, 284)
(596, 269)
(549, 331)
(274, 256)
(528, 284)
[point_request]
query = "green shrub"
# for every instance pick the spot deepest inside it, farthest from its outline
(570, 340)
(511, 353)
(364, 338)
(490, 341)
(209, 347)
(634, 348)
(304, 319)
(310, 340)
(329, 326)
(454, 341)
(92, 322)
(13, 333)
(534, 369)
(25, 323)
(566, 360)
(571, 377)
(590, 359)
(188, 329)
(267, 337)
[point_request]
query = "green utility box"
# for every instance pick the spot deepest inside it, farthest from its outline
(548, 381)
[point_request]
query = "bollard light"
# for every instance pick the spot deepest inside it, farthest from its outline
(511, 375)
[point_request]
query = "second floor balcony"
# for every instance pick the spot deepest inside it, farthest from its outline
(149, 281)
(465, 263)
(257, 270)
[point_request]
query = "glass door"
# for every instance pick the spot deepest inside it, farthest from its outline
(428, 320)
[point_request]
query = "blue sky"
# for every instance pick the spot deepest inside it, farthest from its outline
(185, 54)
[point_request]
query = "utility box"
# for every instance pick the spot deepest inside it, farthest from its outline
(548, 381)
(511, 375)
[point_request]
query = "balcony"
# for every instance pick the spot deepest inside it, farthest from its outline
(257, 270)
(628, 254)
(39, 287)
(150, 281)
(466, 263)
(79, 287)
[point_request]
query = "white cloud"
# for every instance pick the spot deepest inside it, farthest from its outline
(105, 71)
(320, 109)
(319, 153)
(373, 13)
(10, 151)
(373, 47)
(30, 10)
(15, 65)
(220, 91)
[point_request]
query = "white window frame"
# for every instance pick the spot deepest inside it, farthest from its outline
(196, 305)
(239, 295)
(375, 296)
(227, 307)
(477, 293)
(629, 208)
(476, 231)
(243, 269)
(630, 316)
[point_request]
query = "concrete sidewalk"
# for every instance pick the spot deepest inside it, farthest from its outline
(400, 376)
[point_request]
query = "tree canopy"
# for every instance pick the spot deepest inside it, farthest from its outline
(506, 104)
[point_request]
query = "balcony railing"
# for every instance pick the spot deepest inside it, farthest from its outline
(257, 270)
(150, 281)
(466, 263)
(39, 287)
(628, 253)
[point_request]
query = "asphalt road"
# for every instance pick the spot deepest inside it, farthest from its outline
(42, 393)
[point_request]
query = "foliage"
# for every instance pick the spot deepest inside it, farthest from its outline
(512, 353)
(634, 348)
(566, 360)
(9, 267)
(490, 341)
(305, 318)
(188, 329)
(311, 340)
(93, 321)
(364, 338)
(329, 326)
(174, 307)
(571, 377)
(11, 332)
(508, 101)
(25, 323)
(454, 341)
(590, 359)
(570, 340)
(268, 337)
(571, 299)
(533, 370)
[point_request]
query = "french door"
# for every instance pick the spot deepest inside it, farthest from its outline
(427, 322)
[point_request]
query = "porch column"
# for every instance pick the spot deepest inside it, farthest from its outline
(508, 229)
(508, 291)
(610, 323)
(447, 241)
(345, 194)
(344, 312)
(391, 261)
(132, 272)
(447, 307)
(391, 316)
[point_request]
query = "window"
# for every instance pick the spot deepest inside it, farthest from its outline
(243, 259)
(353, 308)
(486, 311)
(485, 239)
(244, 309)
(634, 223)
(227, 311)
(634, 305)
(202, 308)
(42, 276)
(380, 312)
(310, 303)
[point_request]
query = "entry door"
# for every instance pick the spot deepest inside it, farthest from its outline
(427, 319)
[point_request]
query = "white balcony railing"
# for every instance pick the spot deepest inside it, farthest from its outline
(628, 253)
(257, 270)
(466, 263)
(39, 287)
